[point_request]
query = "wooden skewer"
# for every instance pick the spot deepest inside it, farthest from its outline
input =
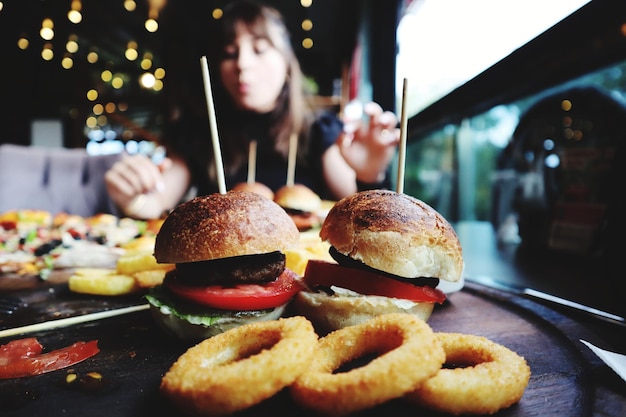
(252, 162)
(221, 182)
(70, 321)
(291, 163)
(402, 149)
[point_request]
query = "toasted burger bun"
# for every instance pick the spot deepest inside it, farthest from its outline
(298, 197)
(394, 233)
(255, 187)
(224, 225)
(390, 232)
(332, 312)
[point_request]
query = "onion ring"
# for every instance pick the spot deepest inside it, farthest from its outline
(407, 351)
(496, 377)
(241, 367)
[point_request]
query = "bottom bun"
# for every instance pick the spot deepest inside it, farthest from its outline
(185, 330)
(332, 312)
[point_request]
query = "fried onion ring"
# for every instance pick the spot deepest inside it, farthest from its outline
(241, 367)
(407, 353)
(492, 377)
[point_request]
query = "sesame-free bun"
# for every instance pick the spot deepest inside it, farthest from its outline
(394, 233)
(255, 187)
(297, 197)
(332, 312)
(224, 225)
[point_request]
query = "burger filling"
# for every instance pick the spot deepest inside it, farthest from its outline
(349, 262)
(169, 304)
(240, 286)
(334, 279)
(248, 269)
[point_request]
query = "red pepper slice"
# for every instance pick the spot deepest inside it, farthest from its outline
(22, 358)
(22, 348)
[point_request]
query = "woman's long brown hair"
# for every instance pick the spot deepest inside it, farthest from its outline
(292, 113)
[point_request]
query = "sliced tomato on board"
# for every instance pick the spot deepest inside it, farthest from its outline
(22, 348)
(22, 358)
(239, 297)
(323, 273)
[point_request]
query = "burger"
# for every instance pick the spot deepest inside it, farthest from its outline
(255, 187)
(391, 251)
(229, 264)
(301, 203)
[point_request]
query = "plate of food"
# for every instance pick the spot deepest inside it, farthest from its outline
(415, 355)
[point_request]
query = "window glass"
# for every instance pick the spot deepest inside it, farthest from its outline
(537, 168)
(444, 43)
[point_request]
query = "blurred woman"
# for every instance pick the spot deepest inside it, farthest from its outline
(259, 97)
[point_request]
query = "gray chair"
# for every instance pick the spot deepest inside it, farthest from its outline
(54, 179)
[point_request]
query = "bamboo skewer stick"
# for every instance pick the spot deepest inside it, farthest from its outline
(252, 162)
(70, 321)
(221, 182)
(291, 163)
(402, 149)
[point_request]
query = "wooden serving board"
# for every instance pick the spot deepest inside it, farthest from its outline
(135, 354)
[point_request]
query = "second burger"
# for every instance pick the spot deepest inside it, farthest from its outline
(230, 266)
(391, 251)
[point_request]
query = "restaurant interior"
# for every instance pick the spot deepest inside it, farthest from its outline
(525, 157)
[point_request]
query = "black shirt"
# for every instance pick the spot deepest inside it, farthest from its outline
(271, 167)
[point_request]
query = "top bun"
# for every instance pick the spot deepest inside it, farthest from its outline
(255, 187)
(394, 233)
(224, 225)
(297, 197)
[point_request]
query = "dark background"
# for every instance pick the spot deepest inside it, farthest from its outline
(32, 88)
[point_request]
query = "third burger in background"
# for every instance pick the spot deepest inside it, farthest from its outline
(301, 203)
(391, 251)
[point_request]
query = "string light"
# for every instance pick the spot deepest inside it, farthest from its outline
(23, 43)
(151, 25)
(217, 14)
(47, 29)
(130, 5)
(92, 95)
(72, 45)
(92, 57)
(74, 15)
(47, 53)
(106, 76)
(67, 62)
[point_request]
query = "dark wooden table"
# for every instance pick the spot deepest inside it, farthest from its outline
(567, 378)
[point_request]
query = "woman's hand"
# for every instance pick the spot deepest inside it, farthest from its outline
(368, 147)
(143, 189)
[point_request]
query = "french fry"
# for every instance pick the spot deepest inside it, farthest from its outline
(101, 282)
(311, 247)
(140, 244)
(131, 263)
(296, 260)
(149, 278)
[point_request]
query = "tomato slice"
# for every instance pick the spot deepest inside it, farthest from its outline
(20, 358)
(367, 282)
(242, 296)
(22, 348)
